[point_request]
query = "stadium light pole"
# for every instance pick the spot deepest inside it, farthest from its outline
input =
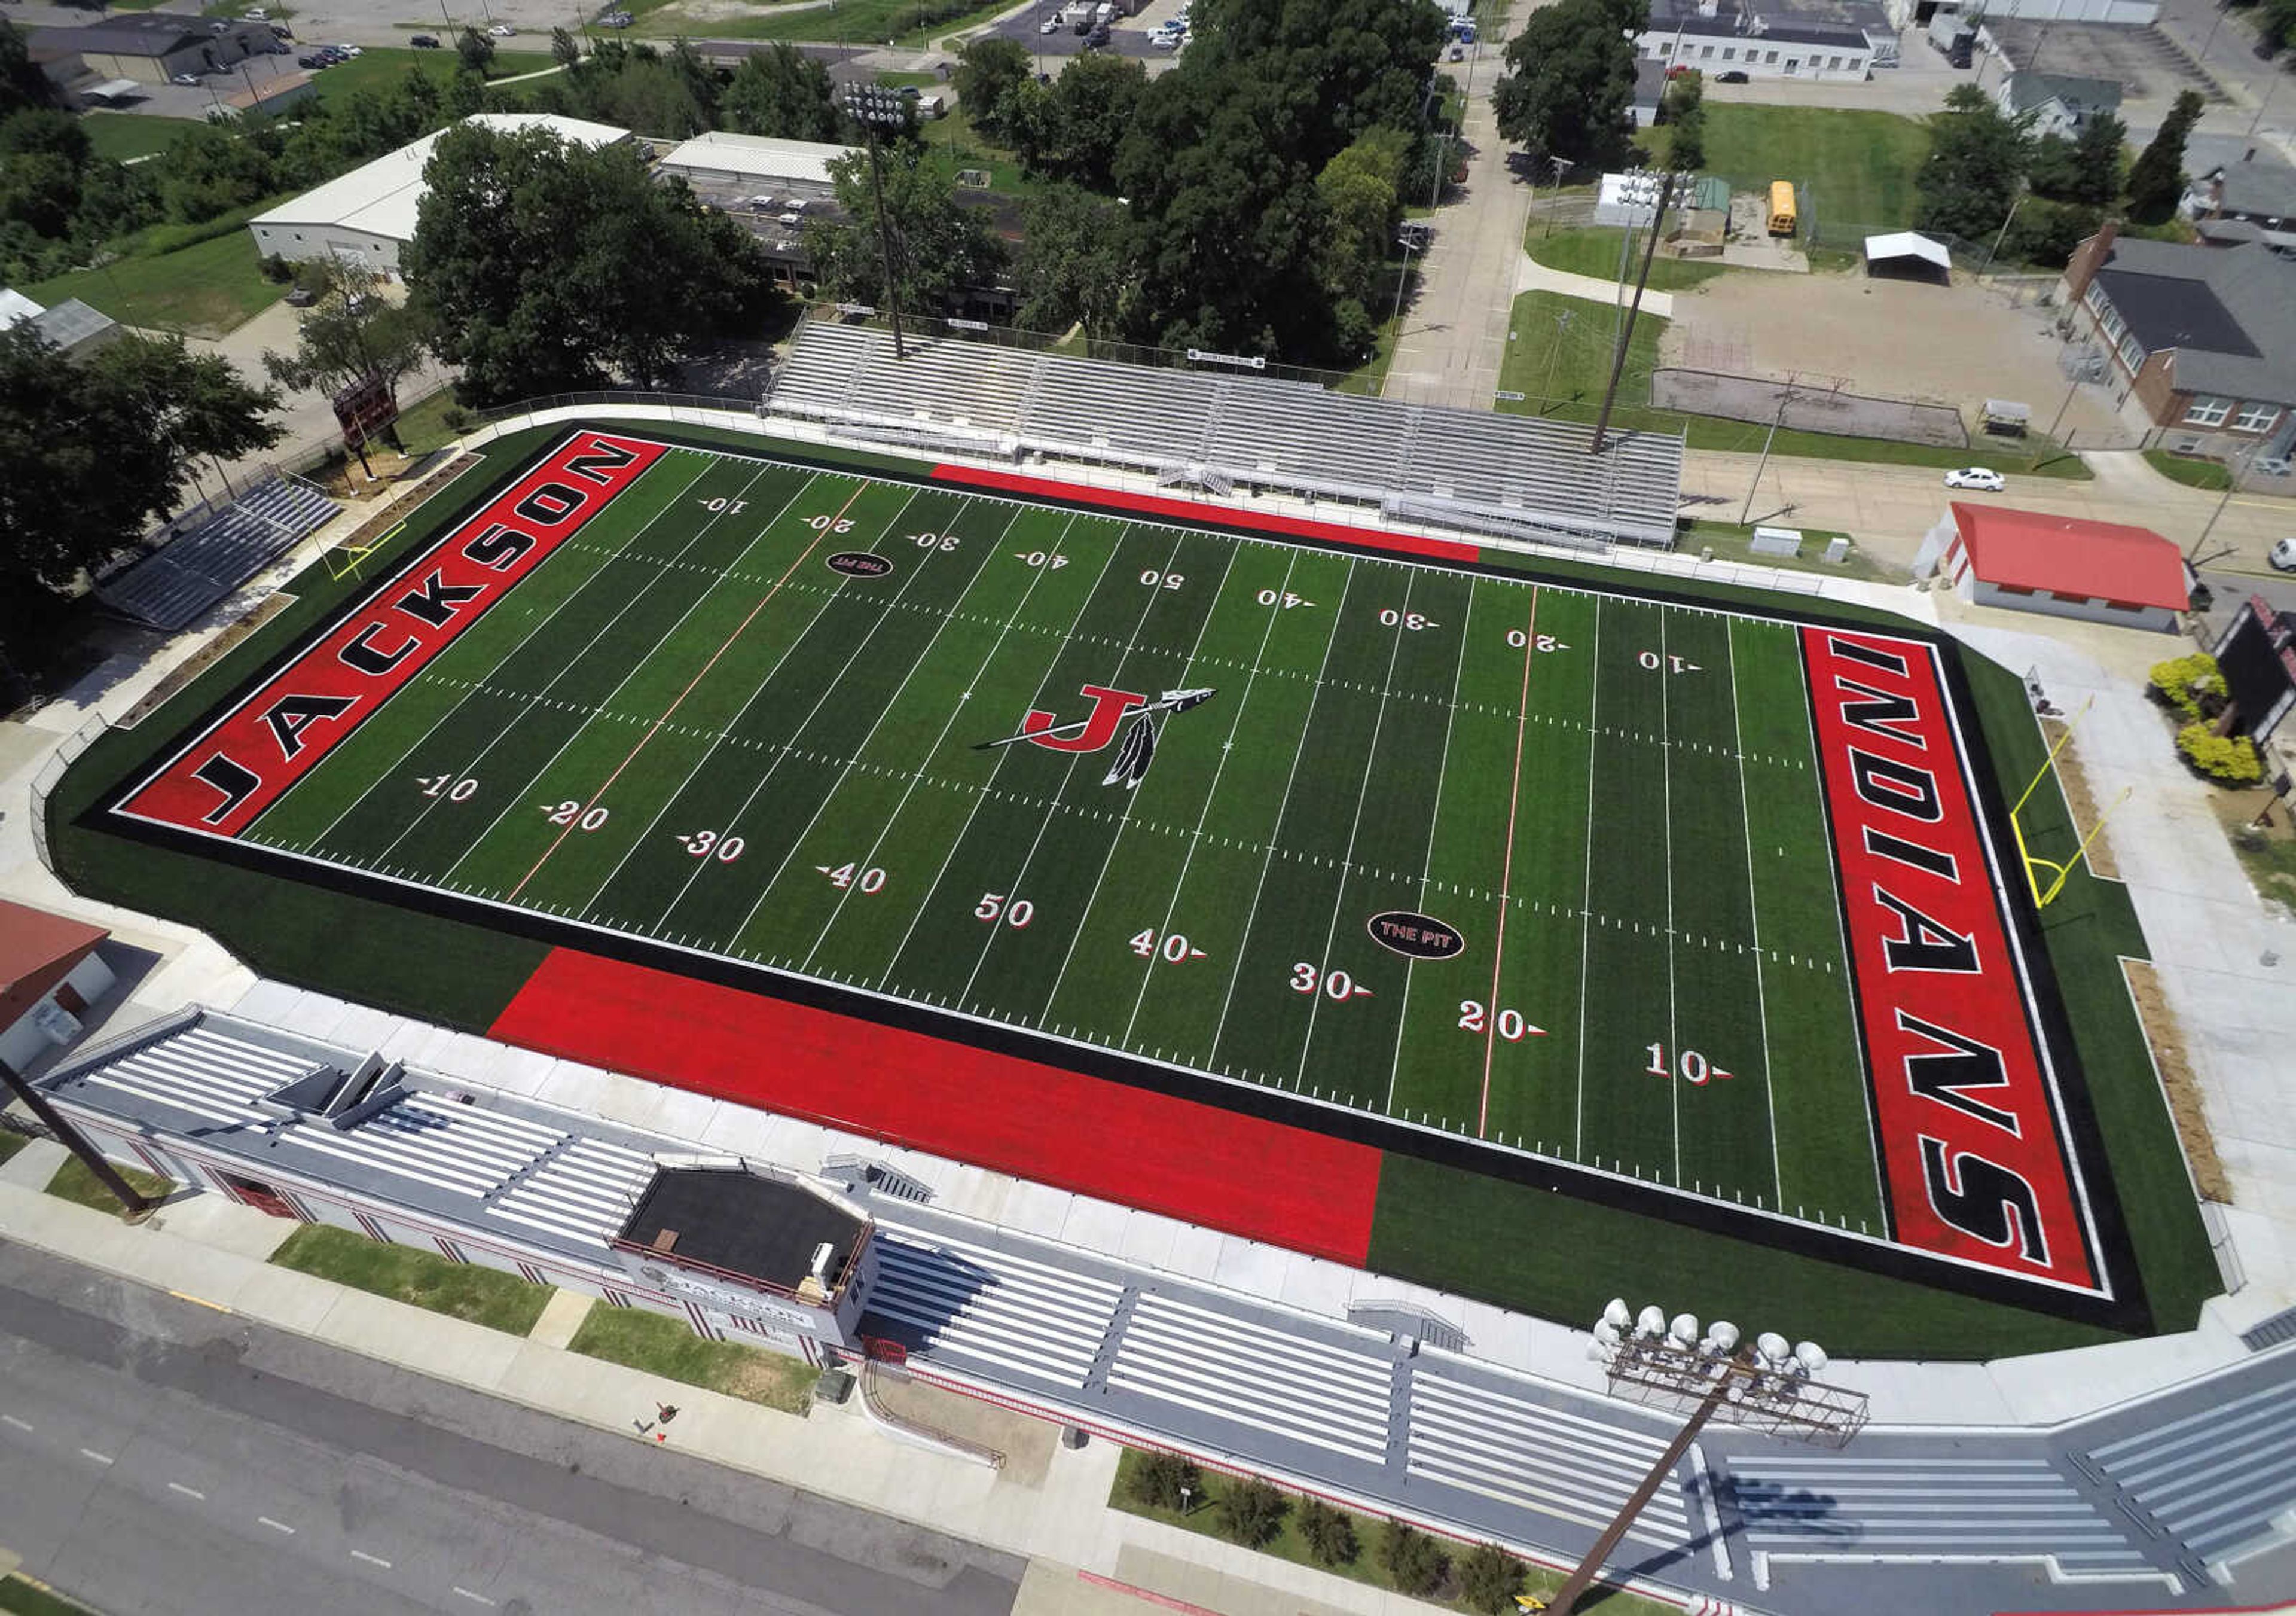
(1765, 1386)
(131, 1205)
(874, 107)
(1665, 185)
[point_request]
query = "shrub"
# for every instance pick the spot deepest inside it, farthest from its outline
(1330, 1534)
(2191, 685)
(1251, 1512)
(1489, 1578)
(1414, 1562)
(1160, 1477)
(2229, 759)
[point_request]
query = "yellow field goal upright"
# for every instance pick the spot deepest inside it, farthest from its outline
(346, 559)
(2034, 864)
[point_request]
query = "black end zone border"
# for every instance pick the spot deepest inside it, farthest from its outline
(2125, 1309)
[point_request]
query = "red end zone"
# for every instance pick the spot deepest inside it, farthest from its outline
(1288, 1185)
(1965, 1107)
(249, 757)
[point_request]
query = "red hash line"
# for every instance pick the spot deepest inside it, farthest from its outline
(1506, 870)
(565, 830)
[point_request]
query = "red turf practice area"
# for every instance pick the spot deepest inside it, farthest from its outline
(1264, 1180)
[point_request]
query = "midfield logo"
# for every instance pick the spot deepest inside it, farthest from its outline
(1097, 728)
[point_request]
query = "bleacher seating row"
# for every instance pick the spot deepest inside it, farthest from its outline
(201, 564)
(1491, 472)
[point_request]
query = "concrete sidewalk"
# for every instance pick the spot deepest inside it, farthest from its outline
(1531, 276)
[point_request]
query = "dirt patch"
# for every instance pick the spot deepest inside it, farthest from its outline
(2263, 836)
(1025, 1443)
(2081, 800)
(206, 656)
(2183, 1089)
(786, 1383)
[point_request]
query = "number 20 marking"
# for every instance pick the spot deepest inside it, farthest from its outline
(575, 815)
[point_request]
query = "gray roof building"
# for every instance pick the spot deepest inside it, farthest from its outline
(2228, 312)
(2059, 103)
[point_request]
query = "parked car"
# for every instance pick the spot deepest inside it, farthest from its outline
(346, 50)
(1050, 25)
(301, 297)
(1098, 39)
(1458, 52)
(1732, 77)
(183, 78)
(424, 42)
(315, 62)
(502, 31)
(2283, 555)
(1982, 479)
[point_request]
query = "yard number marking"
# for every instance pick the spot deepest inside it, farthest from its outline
(932, 541)
(1162, 580)
(702, 844)
(722, 507)
(1508, 1024)
(871, 880)
(1176, 949)
(1306, 978)
(1049, 560)
(1282, 599)
(1016, 913)
(1691, 1066)
(1524, 639)
(829, 524)
(1672, 663)
(448, 786)
(574, 816)
(1390, 617)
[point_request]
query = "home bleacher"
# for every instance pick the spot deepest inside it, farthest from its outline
(1510, 475)
(201, 564)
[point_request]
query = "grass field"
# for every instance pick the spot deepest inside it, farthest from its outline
(1561, 370)
(1848, 168)
(206, 288)
(380, 67)
(422, 1279)
(1566, 1255)
(1595, 253)
(2190, 469)
(124, 135)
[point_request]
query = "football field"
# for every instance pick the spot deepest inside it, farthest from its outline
(1551, 871)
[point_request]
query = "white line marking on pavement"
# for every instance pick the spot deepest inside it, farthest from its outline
(101, 1458)
(11, 1421)
(276, 1526)
(360, 1553)
(464, 1592)
(189, 1492)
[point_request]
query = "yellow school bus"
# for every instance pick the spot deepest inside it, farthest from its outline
(1782, 208)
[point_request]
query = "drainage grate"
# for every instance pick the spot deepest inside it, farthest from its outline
(2279, 1327)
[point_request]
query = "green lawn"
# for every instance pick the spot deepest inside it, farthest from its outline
(74, 1182)
(459, 1290)
(664, 1346)
(1595, 253)
(123, 135)
(207, 288)
(966, 147)
(380, 67)
(1732, 542)
(11, 1143)
(1561, 371)
(1371, 376)
(18, 1595)
(843, 22)
(2190, 469)
(1204, 1518)
(1849, 170)
(422, 427)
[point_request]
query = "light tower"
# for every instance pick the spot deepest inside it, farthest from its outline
(877, 109)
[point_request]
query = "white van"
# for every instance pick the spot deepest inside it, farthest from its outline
(2283, 555)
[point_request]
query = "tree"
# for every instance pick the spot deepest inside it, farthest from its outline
(1414, 1562)
(563, 50)
(1357, 189)
(1336, 68)
(542, 267)
(1075, 266)
(2086, 168)
(2157, 179)
(2275, 27)
(1093, 105)
(988, 70)
(783, 93)
(210, 170)
(1976, 162)
(1489, 1578)
(1570, 80)
(1330, 1534)
(22, 84)
(1685, 110)
(1165, 1480)
(1251, 1512)
(90, 452)
(351, 332)
(939, 249)
(476, 51)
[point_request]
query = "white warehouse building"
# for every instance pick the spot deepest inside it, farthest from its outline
(366, 215)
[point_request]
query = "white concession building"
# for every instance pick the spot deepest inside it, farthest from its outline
(366, 215)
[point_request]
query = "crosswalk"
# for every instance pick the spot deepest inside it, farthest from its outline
(1917, 1508)
(1511, 1447)
(2215, 1480)
(990, 1309)
(1284, 1382)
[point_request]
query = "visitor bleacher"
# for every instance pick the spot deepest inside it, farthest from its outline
(205, 561)
(1510, 475)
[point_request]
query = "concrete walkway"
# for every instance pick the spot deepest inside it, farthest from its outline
(1531, 276)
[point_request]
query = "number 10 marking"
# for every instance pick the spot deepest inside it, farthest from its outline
(1689, 1065)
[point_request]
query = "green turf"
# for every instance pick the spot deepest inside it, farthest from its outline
(904, 22)
(1852, 166)
(207, 288)
(124, 135)
(2190, 469)
(23, 1598)
(1561, 368)
(72, 1181)
(11, 1143)
(668, 1347)
(380, 67)
(422, 1279)
(1595, 253)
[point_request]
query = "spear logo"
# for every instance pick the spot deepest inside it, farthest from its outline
(1098, 727)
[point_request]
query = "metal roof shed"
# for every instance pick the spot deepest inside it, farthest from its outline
(1908, 254)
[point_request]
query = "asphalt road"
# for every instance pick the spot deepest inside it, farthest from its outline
(159, 1456)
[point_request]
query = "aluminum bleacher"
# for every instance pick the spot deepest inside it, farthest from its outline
(1472, 469)
(204, 562)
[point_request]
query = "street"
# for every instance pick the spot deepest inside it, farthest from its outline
(161, 1456)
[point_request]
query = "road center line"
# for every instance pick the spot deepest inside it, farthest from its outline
(11, 1421)
(101, 1458)
(360, 1553)
(276, 1526)
(189, 1492)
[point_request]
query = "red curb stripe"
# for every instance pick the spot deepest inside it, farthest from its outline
(1270, 1181)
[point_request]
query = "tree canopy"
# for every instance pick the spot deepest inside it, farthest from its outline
(352, 331)
(545, 267)
(2157, 179)
(783, 93)
(1974, 170)
(1570, 80)
(940, 248)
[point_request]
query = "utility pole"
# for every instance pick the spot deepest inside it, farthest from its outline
(1664, 184)
(1754, 486)
(874, 107)
(1562, 166)
(1561, 329)
(131, 1204)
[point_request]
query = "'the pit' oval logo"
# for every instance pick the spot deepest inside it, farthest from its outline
(858, 564)
(1415, 936)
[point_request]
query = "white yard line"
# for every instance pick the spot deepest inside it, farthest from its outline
(1586, 881)
(1291, 778)
(383, 774)
(1131, 798)
(983, 793)
(1316, 996)
(1219, 771)
(1666, 818)
(1021, 875)
(1506, 868)
(1754, 921)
